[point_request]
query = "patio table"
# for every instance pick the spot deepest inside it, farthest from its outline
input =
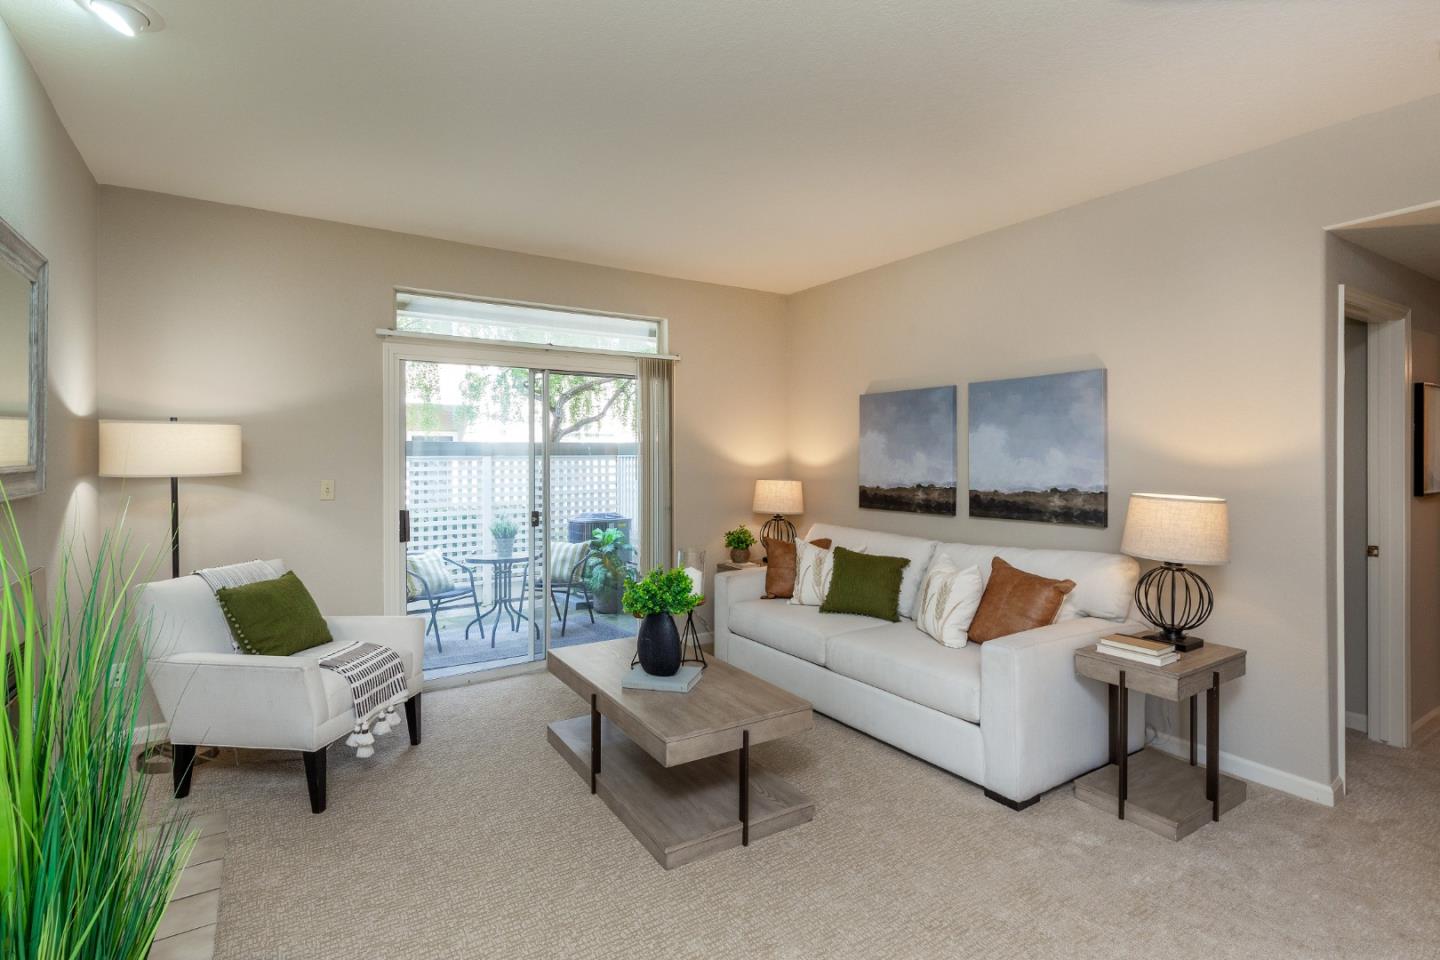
(504, 598)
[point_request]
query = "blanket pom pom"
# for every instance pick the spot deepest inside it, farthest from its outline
(381, 727)
(353, 740)
(365, 751)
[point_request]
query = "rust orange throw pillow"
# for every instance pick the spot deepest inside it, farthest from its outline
(1014, 601)
(780, 566)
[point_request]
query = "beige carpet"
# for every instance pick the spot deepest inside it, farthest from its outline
(482, 842)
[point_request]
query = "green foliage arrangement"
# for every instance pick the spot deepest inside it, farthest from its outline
(661, 591)
(610, 548)
(79, 877)
(739, 539)
(504, 529)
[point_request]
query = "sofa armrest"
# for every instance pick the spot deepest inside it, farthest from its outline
(404, 635)
(239, 700)
(733, 586)
(1042, 724)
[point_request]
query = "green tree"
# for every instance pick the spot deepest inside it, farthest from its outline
(576, 401)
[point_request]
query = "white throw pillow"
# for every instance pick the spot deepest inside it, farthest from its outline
(813, 567)
(948, 600)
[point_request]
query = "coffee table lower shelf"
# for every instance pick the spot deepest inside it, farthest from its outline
(682, 813)
(1165, 795)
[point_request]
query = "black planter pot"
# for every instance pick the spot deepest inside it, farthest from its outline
(658, 645)
(607, 599)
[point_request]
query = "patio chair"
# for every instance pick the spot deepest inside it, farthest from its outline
(428, 580)
(567, 576)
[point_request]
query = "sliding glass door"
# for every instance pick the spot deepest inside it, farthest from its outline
(520, 501)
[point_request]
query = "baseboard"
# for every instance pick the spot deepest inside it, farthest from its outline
(1428, 718)
(1357, 721)
(1312, 790)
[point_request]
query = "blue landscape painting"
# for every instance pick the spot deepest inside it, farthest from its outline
(908, 441)
(1038, 449)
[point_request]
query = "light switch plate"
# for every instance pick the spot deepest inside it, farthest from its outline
(327, 489)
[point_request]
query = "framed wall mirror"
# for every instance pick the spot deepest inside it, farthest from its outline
(23, 313)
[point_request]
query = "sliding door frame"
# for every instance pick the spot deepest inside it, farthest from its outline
(541, 361)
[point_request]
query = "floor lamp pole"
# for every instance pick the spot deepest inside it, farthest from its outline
(174, 523)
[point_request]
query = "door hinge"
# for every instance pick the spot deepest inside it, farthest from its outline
(535, 518)
(1372, 551)
(404, 526)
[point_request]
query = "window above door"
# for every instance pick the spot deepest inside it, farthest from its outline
(501, 321)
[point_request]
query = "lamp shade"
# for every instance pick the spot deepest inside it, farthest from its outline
(779, 496)
(158, 448)
(1177, 529)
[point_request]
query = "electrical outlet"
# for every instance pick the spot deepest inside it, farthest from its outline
(117, 675)
(327, 489)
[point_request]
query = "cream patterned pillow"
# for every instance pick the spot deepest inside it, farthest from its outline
(948, 600)
(813, 567)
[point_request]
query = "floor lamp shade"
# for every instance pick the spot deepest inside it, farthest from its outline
(160, 448)
(148, 448)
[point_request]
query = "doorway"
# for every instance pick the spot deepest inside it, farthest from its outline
(1373, 518)
(517, 490)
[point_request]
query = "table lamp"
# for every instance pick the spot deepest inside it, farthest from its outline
(157, 448)
(1176, 530)
(778, 497)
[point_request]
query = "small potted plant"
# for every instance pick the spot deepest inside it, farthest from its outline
(740, 540)
(657, 600)
(607, 567)
(504, 530)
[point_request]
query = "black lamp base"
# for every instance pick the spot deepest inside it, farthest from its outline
(1184, 643)
(778, 528)
(1174, 600)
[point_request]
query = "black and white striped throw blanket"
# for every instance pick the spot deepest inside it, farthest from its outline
(376, 676)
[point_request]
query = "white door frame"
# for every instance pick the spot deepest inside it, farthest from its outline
(1389, 453)
(398, 349)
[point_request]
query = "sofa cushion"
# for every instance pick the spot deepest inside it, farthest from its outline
(276, 617)
(1015, 601)
(899, 659)
(800, 631)
(780, 563)
(1104, 582)
(865, 585)
(914, 549)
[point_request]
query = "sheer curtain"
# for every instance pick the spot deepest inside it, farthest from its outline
(657, 474)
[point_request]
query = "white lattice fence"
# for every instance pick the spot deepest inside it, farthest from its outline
(453, 500)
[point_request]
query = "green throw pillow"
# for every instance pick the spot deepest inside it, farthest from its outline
(865, 584)
(276, 617)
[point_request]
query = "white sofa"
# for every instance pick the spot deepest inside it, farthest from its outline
(211, 695)
(1009, 715)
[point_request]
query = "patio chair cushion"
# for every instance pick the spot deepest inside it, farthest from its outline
(563, 557)
(427, 569)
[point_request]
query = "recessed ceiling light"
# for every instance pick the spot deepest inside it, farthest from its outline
(126, 17)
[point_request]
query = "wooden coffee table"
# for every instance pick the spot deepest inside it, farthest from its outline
(675, 767)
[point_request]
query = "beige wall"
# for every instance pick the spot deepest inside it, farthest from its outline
(212, 312)
(1207, 298)
(1375, 274)
(48, 195)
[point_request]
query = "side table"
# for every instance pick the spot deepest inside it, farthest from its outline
(728, 566)
(1156, 790)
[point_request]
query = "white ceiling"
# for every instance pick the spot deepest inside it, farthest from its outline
(1411, 238)
(767, 144)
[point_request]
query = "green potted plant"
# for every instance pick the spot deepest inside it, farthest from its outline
(740, 540)
(657, 600)
(504, 530)
(607, 567)
(79, 874)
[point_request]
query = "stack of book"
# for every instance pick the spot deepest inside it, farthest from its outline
(1154, 652)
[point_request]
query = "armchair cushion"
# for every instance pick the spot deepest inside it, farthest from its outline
(275, 617)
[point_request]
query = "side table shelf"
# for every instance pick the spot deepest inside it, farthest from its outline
(1163, 793)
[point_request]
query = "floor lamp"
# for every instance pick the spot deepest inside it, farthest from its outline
(159, 448)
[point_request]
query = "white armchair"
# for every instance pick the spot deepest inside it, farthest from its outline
(212, 695)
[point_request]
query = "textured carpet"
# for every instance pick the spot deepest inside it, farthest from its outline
(482, 842)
